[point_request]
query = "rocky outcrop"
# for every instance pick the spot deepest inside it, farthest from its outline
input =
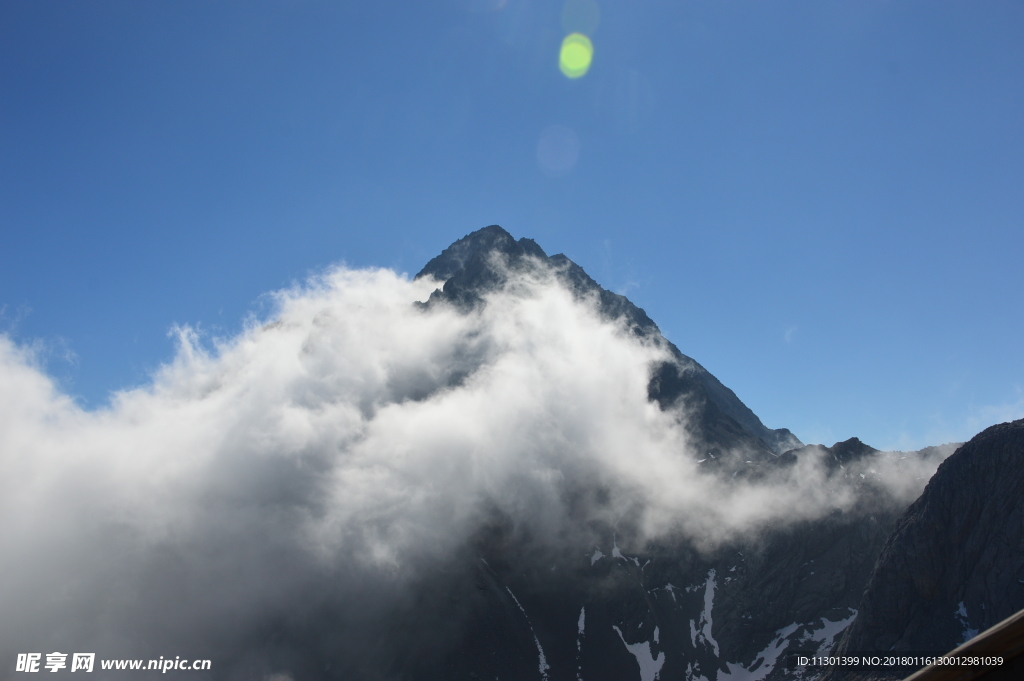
(954, 564)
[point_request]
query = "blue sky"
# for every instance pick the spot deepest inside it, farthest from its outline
(821, 202)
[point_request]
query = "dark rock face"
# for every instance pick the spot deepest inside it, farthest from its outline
(503, 611)
(613, 614)
(476, 264)
(954, 564)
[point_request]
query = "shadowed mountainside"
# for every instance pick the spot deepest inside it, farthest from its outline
(954, 564)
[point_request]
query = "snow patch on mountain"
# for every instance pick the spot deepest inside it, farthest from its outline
(961, 616)
(650, 664)
(616, 553)
(579, 643)
(764, 661)
(704, 625)
(542, 663)
(826, 635)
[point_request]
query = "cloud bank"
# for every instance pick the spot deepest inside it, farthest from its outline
(339, 447)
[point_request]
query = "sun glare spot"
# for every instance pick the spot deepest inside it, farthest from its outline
(577, 52)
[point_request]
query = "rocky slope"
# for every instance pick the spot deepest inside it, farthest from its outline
(954, 564)
(665, 611)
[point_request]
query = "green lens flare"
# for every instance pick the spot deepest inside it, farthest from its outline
(577, 52)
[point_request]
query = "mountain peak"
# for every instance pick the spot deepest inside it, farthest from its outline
(470, 271)
(851, 449)
(475, 247)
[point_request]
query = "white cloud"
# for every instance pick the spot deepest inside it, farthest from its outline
(354, 434)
